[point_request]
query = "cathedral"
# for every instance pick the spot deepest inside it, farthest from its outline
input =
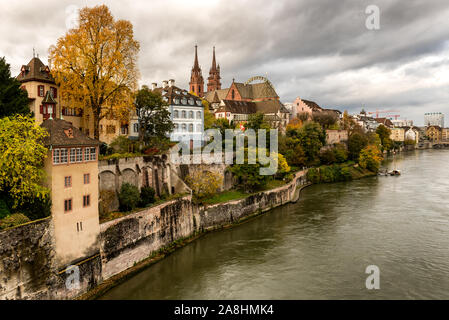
(196, 83)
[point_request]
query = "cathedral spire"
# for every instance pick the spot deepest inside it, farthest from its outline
(196, 64)
(213, 81)
(196, 78)
(214, 64)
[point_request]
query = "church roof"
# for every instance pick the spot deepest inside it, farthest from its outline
(237, 107)
(63, 133)
(216, 95)
(270, 106)
(256, 91)
(35, 70)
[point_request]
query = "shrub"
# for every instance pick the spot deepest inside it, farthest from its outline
(4, 210)
(37, 208)
(370, 158)
(13, 220)
(345, 174)
(146, 196)
(313, 175)
(128, 197)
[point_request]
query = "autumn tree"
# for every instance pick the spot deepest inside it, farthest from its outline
(154, 117)
(204, 183)
(96, 65)
(370, 158)
(22, 153)
(384, 135)
(13, 100)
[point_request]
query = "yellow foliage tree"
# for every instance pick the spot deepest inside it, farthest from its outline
(204, 184)
(22, 153)
(370, 158)
(96, 65)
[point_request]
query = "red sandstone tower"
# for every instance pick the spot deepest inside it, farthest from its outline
(196, 78)
(213, 82)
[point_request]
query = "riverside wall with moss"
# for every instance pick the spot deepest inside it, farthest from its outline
(27, 267)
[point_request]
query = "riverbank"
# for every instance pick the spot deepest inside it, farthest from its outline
(127, 241)
(320, 247)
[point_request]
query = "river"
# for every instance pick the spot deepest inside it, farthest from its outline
(320, 247)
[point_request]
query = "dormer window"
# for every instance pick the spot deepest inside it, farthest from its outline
(177, 92)
(165, 99)
(184, 101)
(176, 101)
(191, 102)
(198, 103)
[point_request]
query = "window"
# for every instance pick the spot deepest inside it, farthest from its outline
(233, 94)
(40, 91)
(136, 127)
(176, 114)
(199, 89)
(124, 129)
(110, 129)
(68, 205)
(63, 156)
(68, 181)
(79, 226)
(190, 127)
(86, 178)
(93, 154)
(184, 127)
(72, 155)
(198, 128)
(86, 154)
(56, 154)
(53, 92)
(86, 201)
(183, 114)
(198, 114)
(176, 127)
(79, 154)
(190, 114)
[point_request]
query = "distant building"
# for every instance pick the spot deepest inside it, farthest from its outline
(336, 136)
(434, 133)
(445, 134)
(72, 176)
(397, 134)
(402, 123)
(434, 119)
(186, 111)
(385, 121)
(239, 111)
(413, 134)
(305, 106)
(367, 123)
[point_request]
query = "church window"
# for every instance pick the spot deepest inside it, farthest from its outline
(233, 94)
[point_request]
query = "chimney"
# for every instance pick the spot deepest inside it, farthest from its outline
(164, 83)
(171, 82)
(153, 85)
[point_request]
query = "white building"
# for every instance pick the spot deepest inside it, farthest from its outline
(434, 119)
(402, 123)
(186, 111)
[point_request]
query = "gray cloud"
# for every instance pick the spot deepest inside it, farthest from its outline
(318, 50)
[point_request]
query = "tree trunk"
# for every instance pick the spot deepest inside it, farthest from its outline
(96, 113)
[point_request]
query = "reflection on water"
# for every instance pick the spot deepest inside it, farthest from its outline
(319, 247)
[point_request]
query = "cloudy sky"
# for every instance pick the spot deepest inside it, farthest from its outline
(319, 50)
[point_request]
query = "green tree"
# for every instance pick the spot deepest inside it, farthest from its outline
(257, 121)
(311, 138)
(13, 100)
(154, 117)
(356, 142)
(128, 197)
(248, 175)
(22, 153)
